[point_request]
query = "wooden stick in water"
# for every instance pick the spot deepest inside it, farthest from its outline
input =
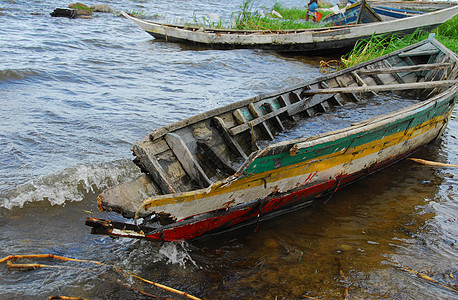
(432, 163)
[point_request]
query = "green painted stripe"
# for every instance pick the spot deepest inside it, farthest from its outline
(273, 161)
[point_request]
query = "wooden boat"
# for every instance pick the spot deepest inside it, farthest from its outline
(315, 40)
(416, 6)
(388, 13)
(356, 13)
(211, 172)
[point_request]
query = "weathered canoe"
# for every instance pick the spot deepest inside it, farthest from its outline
(388, 13)
(208, 173)
(356, 13)
(315, 40)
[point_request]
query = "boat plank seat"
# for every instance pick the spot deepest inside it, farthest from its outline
(187, 160)
(395, 74)
(399, 69)
(351, 96)
(419, 53)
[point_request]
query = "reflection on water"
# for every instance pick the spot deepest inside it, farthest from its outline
(76, 94)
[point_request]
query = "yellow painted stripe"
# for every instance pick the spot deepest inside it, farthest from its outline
(314, 165)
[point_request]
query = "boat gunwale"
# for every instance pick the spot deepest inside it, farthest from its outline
(219, 31)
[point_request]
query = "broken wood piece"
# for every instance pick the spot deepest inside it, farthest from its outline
(388, 87)
(154, 169)
(186, 159)
(432, 163)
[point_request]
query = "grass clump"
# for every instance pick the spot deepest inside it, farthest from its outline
(378, 45)
(249, 18)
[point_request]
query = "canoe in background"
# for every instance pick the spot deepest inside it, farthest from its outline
(226, 167)
(388, 13)
(312, 41)
(356, 13)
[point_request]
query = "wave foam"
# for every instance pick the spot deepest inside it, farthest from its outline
(71, 184)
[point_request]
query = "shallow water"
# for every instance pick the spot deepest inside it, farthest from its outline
(76, 94)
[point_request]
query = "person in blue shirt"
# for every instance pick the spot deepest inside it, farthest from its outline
(311, 10)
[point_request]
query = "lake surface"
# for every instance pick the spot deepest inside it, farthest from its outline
(76, 94)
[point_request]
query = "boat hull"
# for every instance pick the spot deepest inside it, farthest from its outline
(331, 39)
(321, 175)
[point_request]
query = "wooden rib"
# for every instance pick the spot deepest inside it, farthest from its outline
(154, 169)
(276, 118)
(388, 87)
(231, 142)
(254, 111)
(292, 110)
(220, 161)
(352, 96)
(185, 157)
(239, 116)
(395, 74)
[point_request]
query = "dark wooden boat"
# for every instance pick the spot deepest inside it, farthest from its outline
(229, 166)
(312, 41)
(356, 13)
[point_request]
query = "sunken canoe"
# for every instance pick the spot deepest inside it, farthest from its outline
(356, 13)
(211, 172)
(313, 41)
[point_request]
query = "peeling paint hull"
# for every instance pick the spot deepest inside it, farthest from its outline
(185, 200)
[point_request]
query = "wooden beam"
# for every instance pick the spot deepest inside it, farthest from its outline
(254, 111)
(415, 68)
(388, 87)
(154, 169)
(232, 144)
(186, 159)
(418, 53)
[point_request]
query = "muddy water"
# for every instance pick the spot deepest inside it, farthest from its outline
(76, 94)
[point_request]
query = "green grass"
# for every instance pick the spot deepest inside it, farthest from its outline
(446, 33)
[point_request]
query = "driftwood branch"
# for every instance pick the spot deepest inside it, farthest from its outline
(9, 261)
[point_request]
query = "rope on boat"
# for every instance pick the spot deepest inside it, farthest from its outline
(9, 260)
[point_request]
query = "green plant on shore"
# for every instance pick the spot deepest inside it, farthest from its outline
(378, 45)
(250, 19)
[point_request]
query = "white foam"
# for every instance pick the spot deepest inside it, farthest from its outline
(177, 253)
(70, 184)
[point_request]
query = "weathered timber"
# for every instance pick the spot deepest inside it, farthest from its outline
(155, 170)
(231, 142)
(185, 157)
(415, 68)
(253, 177)
(388, 87)
(418, 53)
(255, 112)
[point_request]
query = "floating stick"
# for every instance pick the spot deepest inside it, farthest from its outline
(9, 262)
(432, 163)
(424, 276)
